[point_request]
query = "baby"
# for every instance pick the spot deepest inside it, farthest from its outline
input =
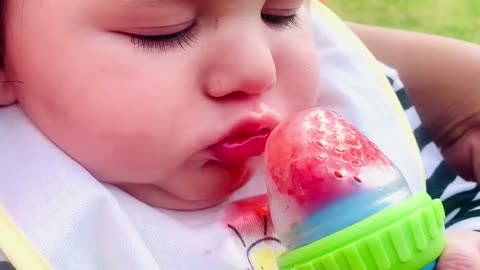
(166, 104)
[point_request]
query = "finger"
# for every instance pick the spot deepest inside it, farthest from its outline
(460, 155)
(476, 158)
(461, 253)
(459, 259)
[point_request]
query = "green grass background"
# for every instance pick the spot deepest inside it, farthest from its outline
(452, 18)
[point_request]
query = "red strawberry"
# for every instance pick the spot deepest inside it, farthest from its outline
(316, 158)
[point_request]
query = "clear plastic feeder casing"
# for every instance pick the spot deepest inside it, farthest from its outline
(324, 176)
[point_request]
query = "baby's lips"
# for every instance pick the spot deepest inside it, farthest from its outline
(237, 151)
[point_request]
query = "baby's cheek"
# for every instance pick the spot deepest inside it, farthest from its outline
(297, 67)
(116, 143)
(298, 77)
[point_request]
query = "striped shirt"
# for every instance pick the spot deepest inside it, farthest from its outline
(461, 199)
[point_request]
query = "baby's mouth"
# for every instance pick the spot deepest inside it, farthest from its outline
(237, 149)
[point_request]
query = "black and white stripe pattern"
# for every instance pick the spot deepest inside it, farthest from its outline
(461, 199)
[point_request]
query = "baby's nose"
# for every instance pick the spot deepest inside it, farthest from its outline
(240, 66)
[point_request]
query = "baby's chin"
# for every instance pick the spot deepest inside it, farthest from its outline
(159, 198)
(180, 195)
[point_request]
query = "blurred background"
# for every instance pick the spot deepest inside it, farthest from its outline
(452, 18)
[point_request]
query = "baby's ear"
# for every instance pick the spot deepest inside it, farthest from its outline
(6, 90)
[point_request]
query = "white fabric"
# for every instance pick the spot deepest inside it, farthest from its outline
(76, 222)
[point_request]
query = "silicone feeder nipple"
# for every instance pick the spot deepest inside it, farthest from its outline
(324, 176)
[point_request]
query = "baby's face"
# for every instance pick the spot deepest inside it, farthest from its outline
(150, 94)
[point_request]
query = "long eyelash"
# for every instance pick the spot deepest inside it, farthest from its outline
(289, 21)
(181, 39)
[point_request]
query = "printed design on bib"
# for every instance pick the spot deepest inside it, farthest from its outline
(250, 222)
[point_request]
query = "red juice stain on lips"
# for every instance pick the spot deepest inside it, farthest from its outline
(316, 157)
(238, 148)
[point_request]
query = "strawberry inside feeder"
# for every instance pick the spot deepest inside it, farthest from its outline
(324, 175)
